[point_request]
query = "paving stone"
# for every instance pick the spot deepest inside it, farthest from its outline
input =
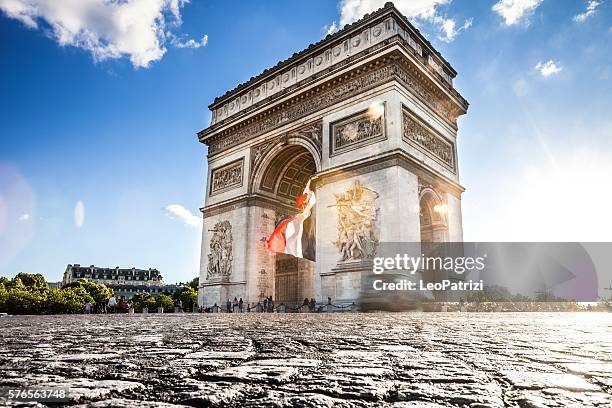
(314, 360)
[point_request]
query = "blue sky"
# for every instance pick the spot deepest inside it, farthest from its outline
(98, 121)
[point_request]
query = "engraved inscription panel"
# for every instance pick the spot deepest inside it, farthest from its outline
(227, 177)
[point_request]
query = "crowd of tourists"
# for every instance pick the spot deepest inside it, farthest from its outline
(267, 305)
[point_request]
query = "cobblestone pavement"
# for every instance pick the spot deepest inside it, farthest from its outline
(344, 360)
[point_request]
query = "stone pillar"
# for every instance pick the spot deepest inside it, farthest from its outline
(390, 194)
(260, 262)
(306, 279)
(223, 268)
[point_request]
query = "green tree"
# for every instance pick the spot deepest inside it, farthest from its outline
(29, 294)
(166, 302)
(142, 300)
(32, 280)
(99, 292)
(57, 302)
(150, 303)
(73, 300)
(3, 297)
(188, 297)
(20, 300)
(16, 282)
(195, 282)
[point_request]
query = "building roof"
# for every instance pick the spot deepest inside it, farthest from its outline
(120, 271)
(330, 38)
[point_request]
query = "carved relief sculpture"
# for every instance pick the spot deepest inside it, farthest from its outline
(220, 255)
(357, 223)
(415, 132)
(227, 177)
(311, 132)
(356, 131)
(324, 98)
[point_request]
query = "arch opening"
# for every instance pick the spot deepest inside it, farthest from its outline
(433, 223)
(283, 177)
(432, 217)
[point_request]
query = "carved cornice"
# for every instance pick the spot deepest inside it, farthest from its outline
(362, 79)
(386, 160)
(354, 39)
(247, 201)
(383, 161)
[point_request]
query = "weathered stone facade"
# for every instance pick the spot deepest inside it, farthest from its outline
(370, 113)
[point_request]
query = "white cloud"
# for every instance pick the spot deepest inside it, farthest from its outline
(416, 10)
(109, 29)
(178, 212)
(190, 43)
(331, 28)
(591, 9)
(24, 217)
(449, 30)
(549, 68)
(514, 11)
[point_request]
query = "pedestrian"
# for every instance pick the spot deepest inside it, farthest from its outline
(228, 305)
(234, 304)
(112, 304)
(329, 300)
(305, 303)
(87, 307)
(270, 305)
(241, 305)
(312, 305)
(265, 305)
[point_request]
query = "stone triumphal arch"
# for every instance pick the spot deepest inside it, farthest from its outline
(370, 114)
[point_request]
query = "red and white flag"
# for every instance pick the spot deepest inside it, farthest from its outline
(295, 236)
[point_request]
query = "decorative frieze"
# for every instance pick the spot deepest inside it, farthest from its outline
(341, 89)
(227, 177)
(357, 223)
(356, 131)
(414, 132)
(220, 256)
(258, 152)
(312, 132)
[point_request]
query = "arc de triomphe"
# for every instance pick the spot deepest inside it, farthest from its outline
(371, 112)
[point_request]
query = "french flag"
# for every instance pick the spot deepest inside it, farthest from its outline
(295, 236)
